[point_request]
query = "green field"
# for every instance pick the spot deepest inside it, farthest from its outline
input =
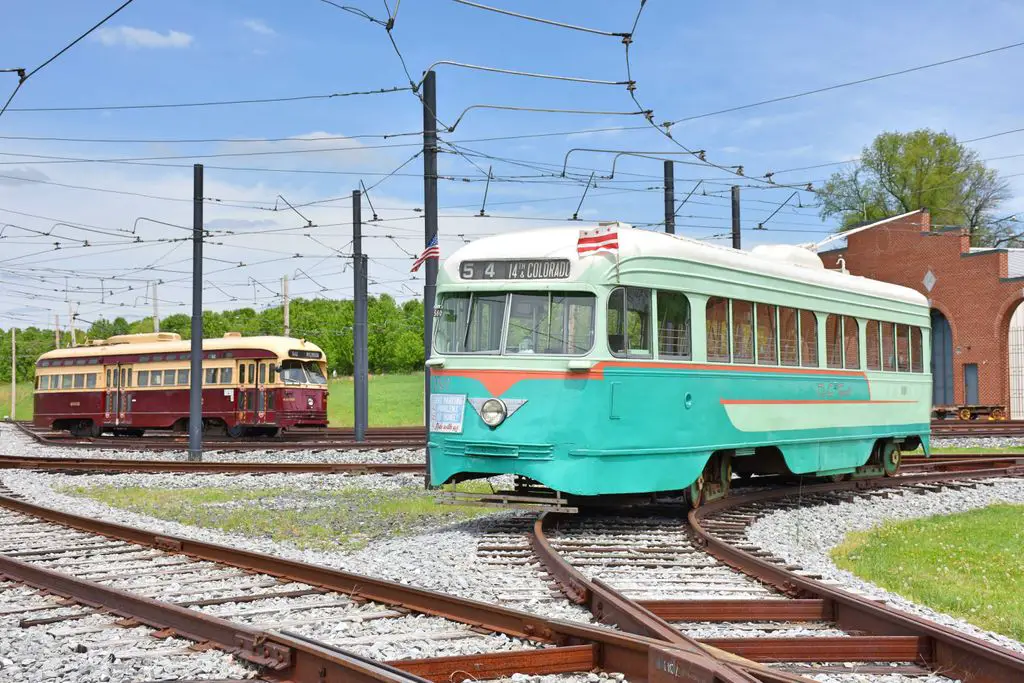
(395, 400)
(969, 565)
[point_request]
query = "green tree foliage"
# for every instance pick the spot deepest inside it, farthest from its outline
(901, 172)
(395, 333)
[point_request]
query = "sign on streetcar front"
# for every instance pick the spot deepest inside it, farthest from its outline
(515, 269)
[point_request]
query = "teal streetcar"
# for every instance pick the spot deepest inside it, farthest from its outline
(624, 361)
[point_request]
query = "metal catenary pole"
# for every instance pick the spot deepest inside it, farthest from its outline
(14, 376)
(670, 197)
(360, 340)
(736, 217)
(56, 330)
(195, 395)
(284, 307)
(429, 233)
(156, 310)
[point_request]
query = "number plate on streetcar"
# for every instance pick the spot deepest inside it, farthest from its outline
(446, 412)
(515, 269)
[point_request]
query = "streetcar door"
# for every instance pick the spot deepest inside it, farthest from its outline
(111, 402)
(246, 391)
(261, 391)
(123, 396)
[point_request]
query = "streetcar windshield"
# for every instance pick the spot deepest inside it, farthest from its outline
(516, 323)
(292, 373)
(316, 374)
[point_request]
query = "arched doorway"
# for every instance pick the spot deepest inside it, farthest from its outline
(942, 360)
(1016, 348)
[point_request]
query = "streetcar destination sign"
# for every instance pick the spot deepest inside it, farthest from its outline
(515, 269)
(295, 353)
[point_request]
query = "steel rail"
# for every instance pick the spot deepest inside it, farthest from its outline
(952, 652)
(115, 465)
(641, 659)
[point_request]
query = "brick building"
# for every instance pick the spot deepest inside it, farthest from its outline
(973, 293)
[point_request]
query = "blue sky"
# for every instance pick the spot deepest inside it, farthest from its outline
(687, 59)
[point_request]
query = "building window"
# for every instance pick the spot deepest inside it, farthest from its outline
(629, 321)
(789, 336)
(143, 378)
(903, 348)
(851, 337)
(916, 350)
(871, 346)
(742, 332)
(767, 351)
(673, 325)
(717, 321)
(888, 347)
(834, 341)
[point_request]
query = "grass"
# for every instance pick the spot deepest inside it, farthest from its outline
(325, 520)
(24, 400)
(970, 565)
(395, 401)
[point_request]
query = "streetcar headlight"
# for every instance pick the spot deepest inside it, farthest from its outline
(493, 412)
(309, 402)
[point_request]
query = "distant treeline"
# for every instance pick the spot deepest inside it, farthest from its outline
(395, 333)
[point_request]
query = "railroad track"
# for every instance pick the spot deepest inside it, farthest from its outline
(377, 438)
(116, 590)
(977, 428)
(125, 466)
(667, 578)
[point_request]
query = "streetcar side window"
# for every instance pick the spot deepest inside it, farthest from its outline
(156, 378)
(79, 381)
(903, 348)
(616, 325)
(742, 332)
(872, 348)
(834, 341)
(851, 337)
(65, 381)
(130, 376)
(252, 373)
(225, 375)
(108, 377)
(169, 377)
(629, 321)
(767, 333)
(916, 350)
(183, 377)
(90, 380)
(808, 339)
(143, 378)
(263, 373)
(210, 376)
(888, 347)
(789, 336)
(673, 325)
(42, 382)
(273, 373)
(716, 315)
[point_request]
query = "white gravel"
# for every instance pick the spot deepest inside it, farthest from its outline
(994, 443)
(806, 536)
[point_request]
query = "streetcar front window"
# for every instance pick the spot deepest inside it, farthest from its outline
(315, 372)
(520, 323)
(292, 372)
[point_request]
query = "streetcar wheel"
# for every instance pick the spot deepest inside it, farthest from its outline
(964, 414)
(236, 431)
(839, 477)
(891, 458)
(998, 414)
(697, 492)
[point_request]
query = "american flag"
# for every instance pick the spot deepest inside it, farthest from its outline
(432, 251)
(599, 239)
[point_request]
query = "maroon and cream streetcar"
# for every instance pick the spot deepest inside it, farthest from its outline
(134, 382)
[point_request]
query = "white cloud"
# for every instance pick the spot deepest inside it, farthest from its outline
(132, 37)
(259, 26)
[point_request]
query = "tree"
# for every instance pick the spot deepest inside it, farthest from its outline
(901, 172)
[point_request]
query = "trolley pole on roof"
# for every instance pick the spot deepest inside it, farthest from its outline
(670, 197)
(360, 341)
(735, 216)
(195, 392)
(429, 233)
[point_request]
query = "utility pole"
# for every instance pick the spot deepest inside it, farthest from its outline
(156, 310)
(670, 197)
(14, 376)
(284, 306)
(56, 330)
(360, 341)
(195, 395)
(71, 324)
(735, 216)
(429, 234)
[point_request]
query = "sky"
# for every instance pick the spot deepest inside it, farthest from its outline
(96, 199)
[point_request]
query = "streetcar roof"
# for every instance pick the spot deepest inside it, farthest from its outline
(124, 345)
(783, 261)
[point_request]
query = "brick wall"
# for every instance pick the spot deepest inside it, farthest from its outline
(971, 290)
